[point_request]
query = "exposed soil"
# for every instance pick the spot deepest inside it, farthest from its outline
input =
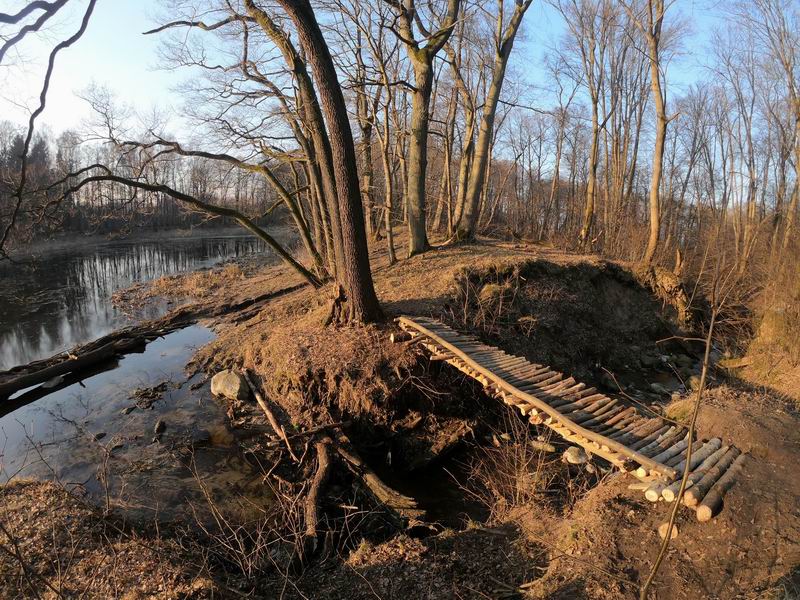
(546, 529)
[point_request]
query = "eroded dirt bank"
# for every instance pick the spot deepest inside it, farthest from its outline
(497, 513)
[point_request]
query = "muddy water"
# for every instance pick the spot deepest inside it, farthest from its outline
(59, 298)
(98, 436)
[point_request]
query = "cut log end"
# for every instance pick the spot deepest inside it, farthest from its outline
(399, 336)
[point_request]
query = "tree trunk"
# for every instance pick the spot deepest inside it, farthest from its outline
(418, 155)
(465, 228)
(355, 275)
(654, 36)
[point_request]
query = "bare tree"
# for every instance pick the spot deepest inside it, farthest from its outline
(505, 34)
(355, 276)
(421, 56)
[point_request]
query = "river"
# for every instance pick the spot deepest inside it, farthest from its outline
(59, 298)
(137, 435)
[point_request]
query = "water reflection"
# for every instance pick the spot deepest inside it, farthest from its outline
(52, 302)
(91, 435)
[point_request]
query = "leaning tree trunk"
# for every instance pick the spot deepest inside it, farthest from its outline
(354, 274)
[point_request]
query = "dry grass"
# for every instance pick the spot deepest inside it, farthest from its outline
(56, 546)
(198, 284)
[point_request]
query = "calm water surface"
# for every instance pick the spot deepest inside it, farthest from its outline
(97, 436)
(51, 302)
(96, 432)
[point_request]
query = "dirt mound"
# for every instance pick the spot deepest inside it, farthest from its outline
(577, 315)
(581, 319)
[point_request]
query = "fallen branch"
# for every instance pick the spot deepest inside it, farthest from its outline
(392, 499)
(310, 542)
(276, 426)
(70, 364)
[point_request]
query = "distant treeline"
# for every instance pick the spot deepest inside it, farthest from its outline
(104, 207)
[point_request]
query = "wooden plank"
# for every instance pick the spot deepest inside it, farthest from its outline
(551, 412)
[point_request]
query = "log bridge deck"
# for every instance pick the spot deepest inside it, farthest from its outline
(651, 448)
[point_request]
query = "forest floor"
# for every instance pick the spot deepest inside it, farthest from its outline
(499, 516)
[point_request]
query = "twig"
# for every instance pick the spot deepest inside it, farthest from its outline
(276, 426)
(687, 463)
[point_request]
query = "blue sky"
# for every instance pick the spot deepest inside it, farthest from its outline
(114, 53)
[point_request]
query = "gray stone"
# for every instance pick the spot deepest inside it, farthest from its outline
(575, 455)
(659, 389)
(230, 385)
(684, 361)
(647, 360)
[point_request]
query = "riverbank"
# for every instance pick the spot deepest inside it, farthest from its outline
(496, 513)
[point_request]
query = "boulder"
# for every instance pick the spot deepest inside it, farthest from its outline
(230, 385)
(575, 455)
(659, 389)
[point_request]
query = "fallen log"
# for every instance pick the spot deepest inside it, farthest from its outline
(69, 365)
(713, 500)
(122, 341)
(310, 541)
(392, 499)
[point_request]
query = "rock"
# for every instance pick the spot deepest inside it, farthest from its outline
(608, 381)
(683, 361)
(160, 427)
(662, 531)
(693, 383)
(230, 385)
(648, 360)
(659, 389)
(575, 455)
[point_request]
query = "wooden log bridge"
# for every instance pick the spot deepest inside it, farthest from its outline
(650, 448)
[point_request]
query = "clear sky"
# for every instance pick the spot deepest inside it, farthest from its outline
(114, 53)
